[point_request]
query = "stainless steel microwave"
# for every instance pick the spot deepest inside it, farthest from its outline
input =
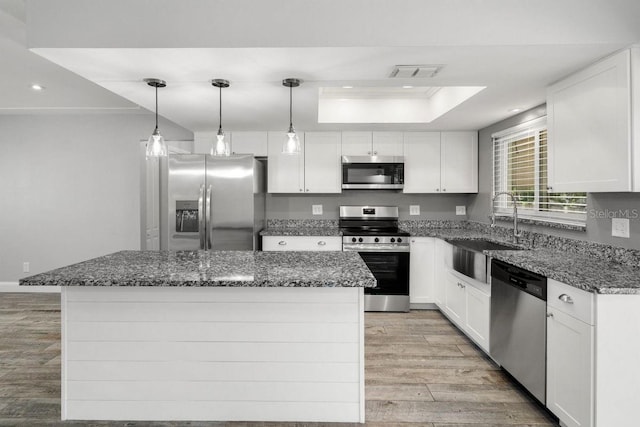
(372, 172)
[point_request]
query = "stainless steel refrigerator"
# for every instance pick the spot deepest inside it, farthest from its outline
(211, 203)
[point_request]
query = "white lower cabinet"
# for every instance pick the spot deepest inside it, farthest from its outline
(421, 270)
(442, 251)
(455, 300)
(570, 354)
(467, 304)
(301, 243)
(478, 316)
(569, 368)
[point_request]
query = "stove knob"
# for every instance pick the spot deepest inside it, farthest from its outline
(353, 239)
(376, 240)
(393, 240)
(360, 239)
(399, 240)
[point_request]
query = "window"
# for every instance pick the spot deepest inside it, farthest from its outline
(520, 167)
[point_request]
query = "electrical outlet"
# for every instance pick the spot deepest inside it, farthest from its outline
(620, 227)
(316, 209)
(461, 210)
(25, 267)
(414, 209)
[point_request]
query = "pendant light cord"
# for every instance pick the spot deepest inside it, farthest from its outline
(220, 110)
(290, 106)
(156, 107)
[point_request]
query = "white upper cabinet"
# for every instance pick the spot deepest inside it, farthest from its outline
(440, 162)
(387, 144)
(357, 143)
(315, 170)
(249, 143)
(372, 144)
(421, 162)
(459, 162)
(285, 172)
(322, 166)
(590, 141)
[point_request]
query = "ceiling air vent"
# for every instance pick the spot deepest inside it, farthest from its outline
(415, 71)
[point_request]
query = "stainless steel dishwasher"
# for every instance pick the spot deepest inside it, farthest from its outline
(519, 325)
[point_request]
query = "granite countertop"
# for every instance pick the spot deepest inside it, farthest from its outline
(301, 231)
(213, 268)
(580, 271)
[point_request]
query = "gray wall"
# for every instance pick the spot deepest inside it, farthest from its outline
(70, 187)
(432, 206)
(600, 206)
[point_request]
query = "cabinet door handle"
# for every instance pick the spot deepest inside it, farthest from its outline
(322, 243)
(307, 190)
(566, 298)
(550, 315)
(369, 152)
(282, 243)
(444, 189)
(301, 189)
(437, 189)
(375, 153)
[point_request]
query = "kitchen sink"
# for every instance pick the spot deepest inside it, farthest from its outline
(467, 257)
(480, 245)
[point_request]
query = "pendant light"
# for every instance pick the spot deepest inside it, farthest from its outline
(221, 146)
(156, 146)
(292, 143)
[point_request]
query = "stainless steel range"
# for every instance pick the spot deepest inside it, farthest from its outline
(373, 232)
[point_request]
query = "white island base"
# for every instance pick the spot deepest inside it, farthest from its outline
(213, 353)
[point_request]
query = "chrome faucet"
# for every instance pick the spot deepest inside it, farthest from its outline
(514, 200)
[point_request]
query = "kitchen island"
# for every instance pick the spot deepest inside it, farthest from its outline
(194, 335)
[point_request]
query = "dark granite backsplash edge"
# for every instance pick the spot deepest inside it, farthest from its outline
(630, 257)
(604, 252)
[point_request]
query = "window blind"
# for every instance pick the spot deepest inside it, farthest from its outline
(520, 167)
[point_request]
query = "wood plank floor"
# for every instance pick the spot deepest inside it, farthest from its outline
(420, 371)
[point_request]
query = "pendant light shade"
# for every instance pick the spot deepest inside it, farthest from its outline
(221, 145)
(292, 143)
(156, 146)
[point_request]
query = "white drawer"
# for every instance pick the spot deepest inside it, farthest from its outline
(572, 301)
(301, 243)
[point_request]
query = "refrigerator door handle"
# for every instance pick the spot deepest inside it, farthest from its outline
(201, 219)
(209, 220)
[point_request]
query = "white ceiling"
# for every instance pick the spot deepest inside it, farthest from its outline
(515, 49)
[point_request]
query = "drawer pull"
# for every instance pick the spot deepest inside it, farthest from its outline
(282, 243)
(322, 243)
(566, 298)
(549, 314)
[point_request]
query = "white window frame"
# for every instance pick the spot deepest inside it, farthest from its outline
(503, 205)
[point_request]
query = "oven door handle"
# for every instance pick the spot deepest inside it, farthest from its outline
(386, 249)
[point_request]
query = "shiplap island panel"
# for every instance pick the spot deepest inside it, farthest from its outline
(276, 339)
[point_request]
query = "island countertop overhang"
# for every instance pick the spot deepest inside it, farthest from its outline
(212, 268)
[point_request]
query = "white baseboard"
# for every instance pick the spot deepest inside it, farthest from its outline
(423, 306)
(14, 287)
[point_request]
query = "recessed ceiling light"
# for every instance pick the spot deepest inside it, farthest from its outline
(347, 87)
(36, 86)
(407, 87)
(514, 110)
